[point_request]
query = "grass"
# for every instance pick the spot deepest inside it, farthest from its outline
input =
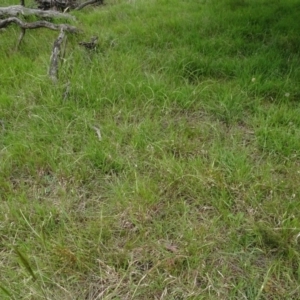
(192, 191)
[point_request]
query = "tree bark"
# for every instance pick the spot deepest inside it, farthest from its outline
(38, 24)
(16, 10)
(53, 69)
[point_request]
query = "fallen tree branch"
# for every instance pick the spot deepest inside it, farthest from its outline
(16, 10)
(53, 69)
(38, 24)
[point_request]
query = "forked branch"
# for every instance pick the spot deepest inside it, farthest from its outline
(38, 24)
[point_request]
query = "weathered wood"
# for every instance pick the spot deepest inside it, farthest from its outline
(53, 69)
(92, 45)
(38, 24)
(17, 10)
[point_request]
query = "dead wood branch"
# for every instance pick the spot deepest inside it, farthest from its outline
(17, 10)
(53, 70)
(38, 24)
(92, 45)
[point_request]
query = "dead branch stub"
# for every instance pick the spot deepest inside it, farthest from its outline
(53, 70)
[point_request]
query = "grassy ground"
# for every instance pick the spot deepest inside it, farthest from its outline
(192, 191)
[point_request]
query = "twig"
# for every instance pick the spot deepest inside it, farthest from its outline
(98, 132)
(23, 31)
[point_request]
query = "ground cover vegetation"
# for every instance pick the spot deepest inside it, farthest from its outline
(164, 164)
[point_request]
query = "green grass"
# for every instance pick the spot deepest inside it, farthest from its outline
(192, 191)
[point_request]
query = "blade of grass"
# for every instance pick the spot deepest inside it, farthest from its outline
(25, 263)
